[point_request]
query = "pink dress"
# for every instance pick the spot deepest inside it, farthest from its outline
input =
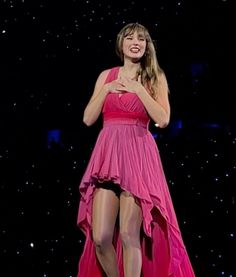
(126, 153)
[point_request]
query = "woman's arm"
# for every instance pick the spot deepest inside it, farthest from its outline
(94, 106)
(159, 109)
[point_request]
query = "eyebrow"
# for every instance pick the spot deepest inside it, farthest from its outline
(132, 33)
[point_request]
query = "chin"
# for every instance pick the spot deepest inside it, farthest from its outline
(135, 59)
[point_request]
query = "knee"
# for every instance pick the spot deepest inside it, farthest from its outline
(129, 239)
(101, 241)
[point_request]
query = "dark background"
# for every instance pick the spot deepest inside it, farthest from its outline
(51, 53)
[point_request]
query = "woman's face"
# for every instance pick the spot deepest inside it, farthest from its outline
(134, 45)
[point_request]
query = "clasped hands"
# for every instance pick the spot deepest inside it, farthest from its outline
(123, 84)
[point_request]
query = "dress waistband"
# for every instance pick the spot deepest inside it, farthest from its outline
(110, 118)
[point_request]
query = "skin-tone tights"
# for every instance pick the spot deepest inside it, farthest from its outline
(106, 207)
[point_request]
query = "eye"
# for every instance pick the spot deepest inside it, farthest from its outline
(141, 38)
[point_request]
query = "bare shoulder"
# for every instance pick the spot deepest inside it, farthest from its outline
(162, 78)
(102, 76)
(100, 82)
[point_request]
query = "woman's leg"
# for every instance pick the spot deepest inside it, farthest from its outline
(105, 210)
(130, 224)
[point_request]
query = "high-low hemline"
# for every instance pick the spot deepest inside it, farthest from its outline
(126, 154)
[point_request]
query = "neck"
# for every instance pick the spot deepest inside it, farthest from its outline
(130, 69)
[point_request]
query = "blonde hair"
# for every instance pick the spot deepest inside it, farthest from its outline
(150, 69)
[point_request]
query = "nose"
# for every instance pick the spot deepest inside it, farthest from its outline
(135, 41)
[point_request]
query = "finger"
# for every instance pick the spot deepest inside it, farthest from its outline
(118, 91)
(119, 81)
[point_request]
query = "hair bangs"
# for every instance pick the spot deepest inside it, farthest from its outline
(135, 27)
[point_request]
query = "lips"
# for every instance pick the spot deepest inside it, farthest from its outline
(134, 49)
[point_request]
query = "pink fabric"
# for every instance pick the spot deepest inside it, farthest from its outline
(127, 154)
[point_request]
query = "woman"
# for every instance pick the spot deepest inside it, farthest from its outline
(125, 209)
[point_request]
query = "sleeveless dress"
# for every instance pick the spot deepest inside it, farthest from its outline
(126, 154)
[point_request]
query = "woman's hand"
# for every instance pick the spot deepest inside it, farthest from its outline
(131, 85)
(115, 87)
(124, 84)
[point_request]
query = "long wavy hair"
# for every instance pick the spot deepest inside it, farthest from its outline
(150, 69)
